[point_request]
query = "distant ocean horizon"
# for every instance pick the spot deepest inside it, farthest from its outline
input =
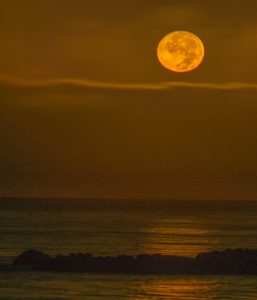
(119, 226)
(102, 203)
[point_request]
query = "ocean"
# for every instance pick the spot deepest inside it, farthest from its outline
(113, 227)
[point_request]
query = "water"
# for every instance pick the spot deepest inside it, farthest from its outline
(121, 227)
(77, 286)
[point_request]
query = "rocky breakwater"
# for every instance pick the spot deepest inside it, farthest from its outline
(227, 262)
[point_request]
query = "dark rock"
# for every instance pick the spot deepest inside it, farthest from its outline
(227, 262)
(31, 258)
(230, 261)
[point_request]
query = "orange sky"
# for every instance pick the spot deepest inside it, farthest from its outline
(105, 131)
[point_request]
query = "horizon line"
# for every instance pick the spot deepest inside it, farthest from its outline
(120, 198)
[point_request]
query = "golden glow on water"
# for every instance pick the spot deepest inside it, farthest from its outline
(189, 287)
(162, 238)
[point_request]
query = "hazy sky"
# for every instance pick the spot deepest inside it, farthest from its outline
(85, 109)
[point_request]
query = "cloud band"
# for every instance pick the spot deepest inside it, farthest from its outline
(85, 85)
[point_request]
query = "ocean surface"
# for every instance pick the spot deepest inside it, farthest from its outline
(112, 227)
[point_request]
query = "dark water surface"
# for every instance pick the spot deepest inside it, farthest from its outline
(112, 227)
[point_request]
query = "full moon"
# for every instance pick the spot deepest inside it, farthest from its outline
(180, 51)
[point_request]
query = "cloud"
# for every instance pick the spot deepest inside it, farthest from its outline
(84, 85)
